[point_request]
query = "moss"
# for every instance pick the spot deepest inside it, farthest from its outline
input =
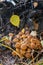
(40, 64)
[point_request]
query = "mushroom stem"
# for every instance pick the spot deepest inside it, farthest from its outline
(10, 38)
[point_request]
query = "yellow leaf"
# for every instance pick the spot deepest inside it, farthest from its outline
(23, 30)
(4, 38)
(15, 20)
(42, 43)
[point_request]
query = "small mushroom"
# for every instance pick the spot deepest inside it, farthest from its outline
(22, 52)
(17, 45)
(10, 36)
(29, 38)
(18, 36)
(24, 46)
(33, 46)
(29, 50)
(28, 44)
(28, 55)
(15, 40)
(23, 36)
(20, 33)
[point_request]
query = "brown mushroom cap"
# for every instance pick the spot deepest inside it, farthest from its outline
(29, 38)
(35, 40)
(28, 55)
(33, 46)
(28, 44)
(24, 46)
(17, 45)
(15, 40)
(22, 52)
(11, 34)
(20, 33)
(29, 50)
(17, 36)
(23, 36)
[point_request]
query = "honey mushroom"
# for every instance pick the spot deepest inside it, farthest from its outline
(27, 33)
(22, 52)
(35, 44)
(28, 45)
(15, 40)
(24, 46)
(29, 38)
(11, 34)
(27, 42)
(29, 50)
(17, 45)
(34, 40)
(28, 55)
(23, 36)
(18, 36)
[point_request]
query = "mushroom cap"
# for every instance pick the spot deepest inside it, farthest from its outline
(29, 50)
(17, 45)
(22, 52)
(28, 55)
(33, 46)
(15, 40)
(24, 46)
(35, 4)
(11, 34)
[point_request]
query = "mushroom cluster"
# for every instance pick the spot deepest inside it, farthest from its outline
(24, 43)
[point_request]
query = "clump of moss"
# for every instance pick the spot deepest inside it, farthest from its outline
(40, 64)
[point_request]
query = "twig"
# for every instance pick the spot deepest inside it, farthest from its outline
(10, 49)
(23, 63)
(34, 58)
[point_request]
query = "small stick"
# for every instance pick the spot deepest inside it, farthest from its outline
(34, 58)
(23, 63)
(10, 49)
